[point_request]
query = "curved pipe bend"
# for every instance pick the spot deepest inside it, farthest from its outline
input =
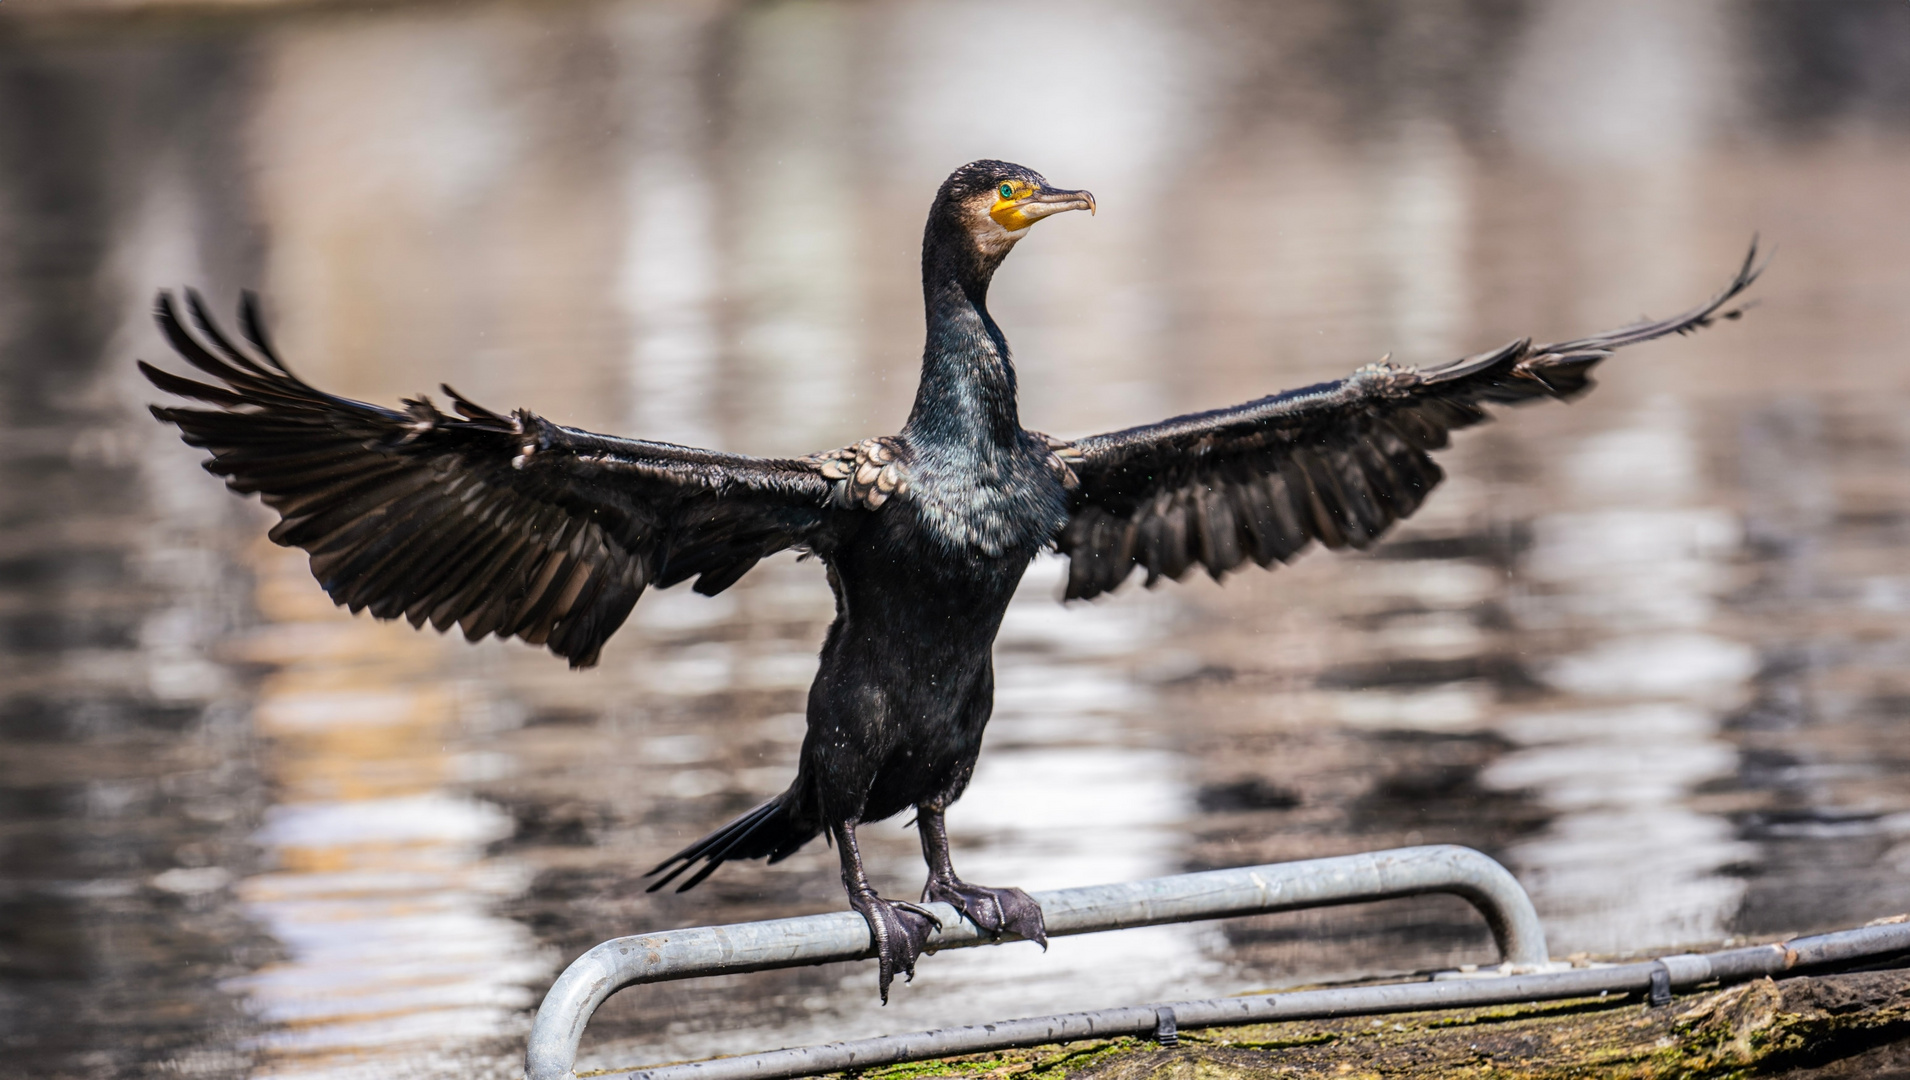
(1212, 894)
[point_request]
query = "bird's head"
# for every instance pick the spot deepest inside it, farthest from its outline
(992, 204)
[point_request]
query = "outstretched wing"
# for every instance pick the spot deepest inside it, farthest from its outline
(506, 525)
(1338, 462)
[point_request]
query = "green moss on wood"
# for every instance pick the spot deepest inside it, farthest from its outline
(1038, 1063)
(1761, 1028)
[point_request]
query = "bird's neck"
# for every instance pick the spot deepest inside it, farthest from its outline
(966, 400)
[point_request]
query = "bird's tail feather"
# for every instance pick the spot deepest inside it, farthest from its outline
(771, 830)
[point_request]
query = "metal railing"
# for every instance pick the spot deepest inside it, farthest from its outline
(841, 936)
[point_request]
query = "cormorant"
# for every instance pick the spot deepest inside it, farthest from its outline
(515, 526)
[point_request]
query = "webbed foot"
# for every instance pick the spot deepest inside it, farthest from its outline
(900, 931)
(993, 911)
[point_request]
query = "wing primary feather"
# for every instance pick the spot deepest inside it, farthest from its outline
(1416, 428)
(507, 584)
(174, 384)
(196, 305)
(1391, 493)
(568, 631)
(261, 469)
(564, 592)
(449, 558)
(231, 431)
(1178, 538)
(253, 327)
(1316, 514)
(1503, 356)
(264, 390)
(542, 581)
(1266, 537)
(288, 484)
(325, 530)
(1284, 504)
(311, 502)
(1216, 532)
(469, 575)
(1568, 375)
(405, 536)
(1697, 318)
(1360, 504)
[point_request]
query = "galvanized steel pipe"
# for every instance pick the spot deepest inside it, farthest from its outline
(1214, 894)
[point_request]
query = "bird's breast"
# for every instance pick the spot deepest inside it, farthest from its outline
(1010, 505)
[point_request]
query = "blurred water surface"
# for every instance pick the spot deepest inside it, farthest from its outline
(1649, 650)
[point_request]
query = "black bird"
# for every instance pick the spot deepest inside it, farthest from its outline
(515, 526)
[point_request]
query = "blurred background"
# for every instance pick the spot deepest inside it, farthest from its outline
(1649, 650)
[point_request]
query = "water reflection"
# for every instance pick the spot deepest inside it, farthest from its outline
(1649, 649)
(669, 276)
(380, 894)
(1627, 861)
(797, 270)
(1421, 238)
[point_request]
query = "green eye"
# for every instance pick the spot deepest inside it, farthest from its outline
(1008, 191)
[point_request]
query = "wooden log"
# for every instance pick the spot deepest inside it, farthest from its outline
(1854, 1025)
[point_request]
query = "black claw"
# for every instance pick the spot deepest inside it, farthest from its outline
(900, 931)
(993, 911)
(919, 910)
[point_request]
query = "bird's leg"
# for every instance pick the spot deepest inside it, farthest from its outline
(898, 928)
(993, 911)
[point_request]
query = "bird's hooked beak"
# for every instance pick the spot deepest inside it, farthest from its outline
(1028, 205)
